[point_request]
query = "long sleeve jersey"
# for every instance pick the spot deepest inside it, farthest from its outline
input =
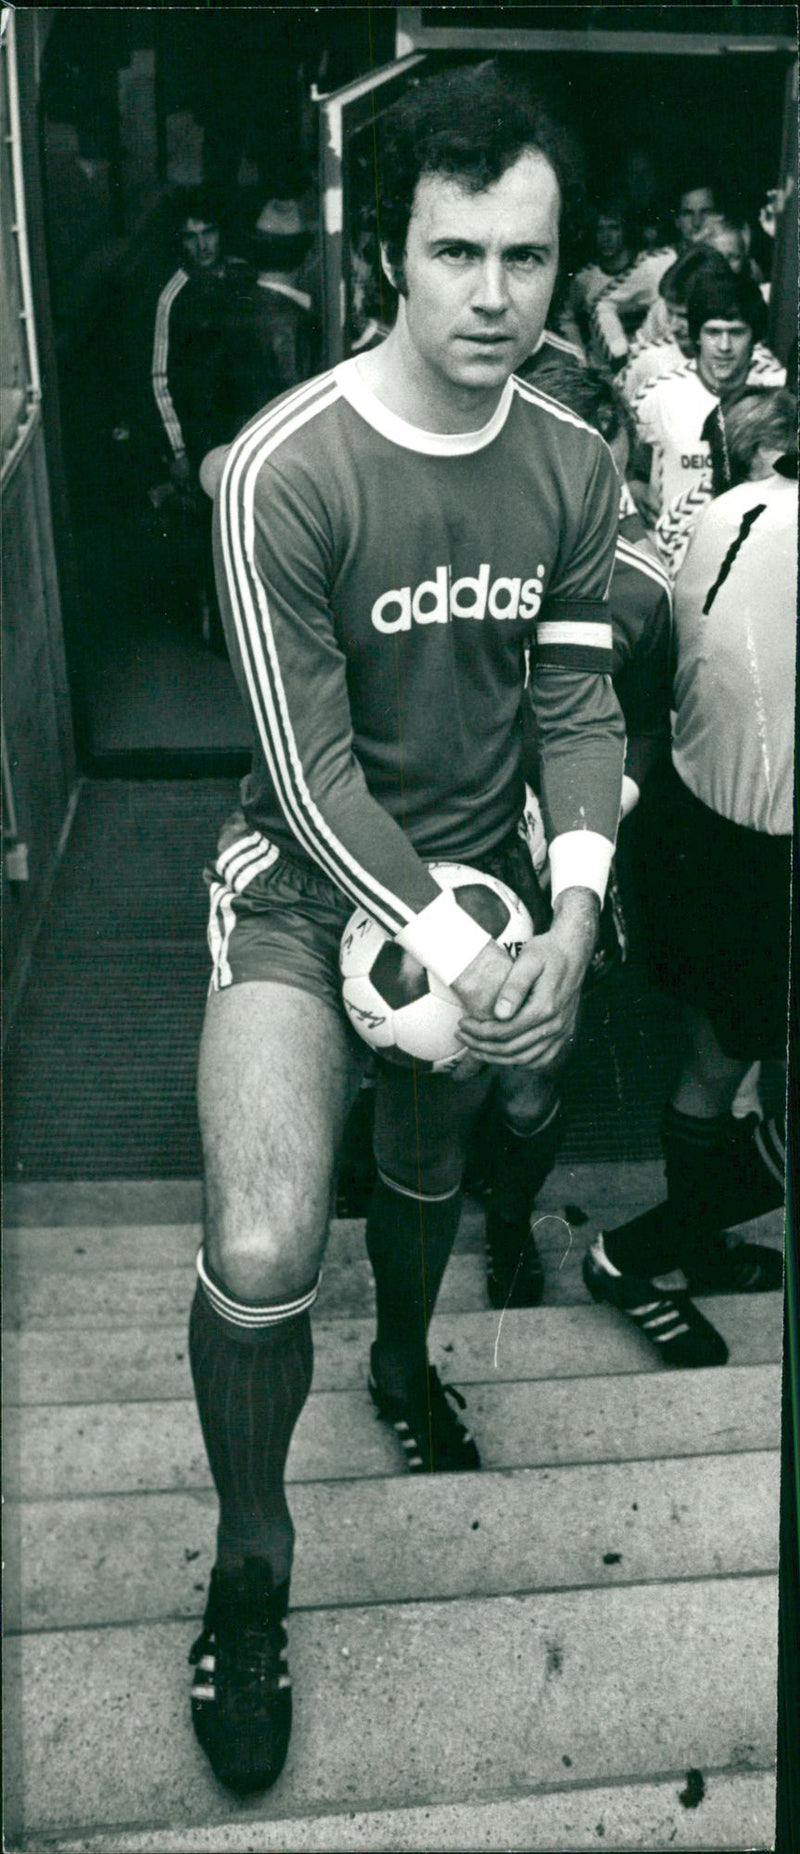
(611, 307)
(381, 587)
(159, 369)
(640, 607)
(225, 344)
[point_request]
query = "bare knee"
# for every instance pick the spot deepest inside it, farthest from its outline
(264, 1248)
(273, 1091)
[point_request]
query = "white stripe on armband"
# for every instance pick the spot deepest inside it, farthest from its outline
(580, 859)
(575, 631)
(444, 938)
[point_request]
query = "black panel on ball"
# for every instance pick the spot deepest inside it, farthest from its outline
(483, 905)
(398, 978)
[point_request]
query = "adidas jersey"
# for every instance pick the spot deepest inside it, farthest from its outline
(670, 414)
(735, 621)
(381, 587)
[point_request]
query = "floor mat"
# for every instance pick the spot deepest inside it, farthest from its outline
(100, 1065)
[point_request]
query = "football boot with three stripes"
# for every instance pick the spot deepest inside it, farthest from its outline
(682, 1335)
(426, 1422)
(242, 1693)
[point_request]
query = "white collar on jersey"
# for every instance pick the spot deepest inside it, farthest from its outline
(435, 443)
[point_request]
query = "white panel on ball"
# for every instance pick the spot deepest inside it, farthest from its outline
(361, 941)
(427, 1029)
(363, 1007)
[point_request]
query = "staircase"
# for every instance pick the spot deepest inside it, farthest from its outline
(574, 1649)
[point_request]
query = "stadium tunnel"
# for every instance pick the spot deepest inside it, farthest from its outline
(107, 682)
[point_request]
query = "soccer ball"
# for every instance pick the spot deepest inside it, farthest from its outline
(396, 1005)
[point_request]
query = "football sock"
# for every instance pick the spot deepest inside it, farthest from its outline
(645, 1245)
(252, 1368)
(409, 1242)
(723, 1171)
(720, 1172)
(522, 1162)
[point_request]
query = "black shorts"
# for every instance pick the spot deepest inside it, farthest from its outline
(716, 905)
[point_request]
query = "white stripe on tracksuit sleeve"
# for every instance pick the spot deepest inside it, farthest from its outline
(160, 362)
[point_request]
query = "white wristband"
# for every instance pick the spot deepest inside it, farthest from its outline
(444, 938)
(630, 796)
(580, 859)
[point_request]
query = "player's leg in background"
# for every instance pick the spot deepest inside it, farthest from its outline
(524, 1120)
(721, 1169)
(423, 1124)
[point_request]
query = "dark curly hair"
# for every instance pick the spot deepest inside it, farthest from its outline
(714, 296)
(471, 123)
(589, 391)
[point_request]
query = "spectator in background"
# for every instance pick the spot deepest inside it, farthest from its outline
(201, 260)
(726, 317)
(696, 204)
(610, 296)
(719, 835)
(731, 238)
(287, 329)
(226, 342)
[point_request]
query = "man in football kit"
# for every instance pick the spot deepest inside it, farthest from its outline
(507, 1167)
(392, 538)
(726, 317)
(718, 829)
(611, 296)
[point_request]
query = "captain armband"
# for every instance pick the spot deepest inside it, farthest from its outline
(575, 634)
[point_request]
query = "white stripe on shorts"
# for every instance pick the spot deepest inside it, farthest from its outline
(236, 849)
(254, 867)
(221, 922)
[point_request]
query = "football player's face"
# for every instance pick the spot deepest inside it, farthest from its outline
(479, 273)
(724, 353)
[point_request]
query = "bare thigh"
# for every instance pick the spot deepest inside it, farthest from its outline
(277, 1075)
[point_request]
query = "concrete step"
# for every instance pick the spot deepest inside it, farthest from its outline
(630, 1818)
(139, 1363)
(146, 1557)
(101, 1282)
(433, 1703)
(53, 1453)
(179, 1200)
